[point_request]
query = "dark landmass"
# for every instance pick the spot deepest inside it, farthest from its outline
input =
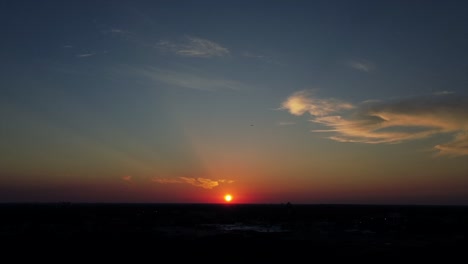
(241, 232)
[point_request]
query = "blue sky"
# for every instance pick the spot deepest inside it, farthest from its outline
(310, 101)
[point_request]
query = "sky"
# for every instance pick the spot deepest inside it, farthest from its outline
(319, 102)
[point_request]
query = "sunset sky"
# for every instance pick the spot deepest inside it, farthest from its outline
(270, 101)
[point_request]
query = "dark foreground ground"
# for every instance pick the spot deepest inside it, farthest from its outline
(237, 233)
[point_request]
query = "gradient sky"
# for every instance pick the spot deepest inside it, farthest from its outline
(271, 101)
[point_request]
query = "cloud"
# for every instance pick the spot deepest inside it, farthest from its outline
(194, 47)
(225, 181)
(442, 93)
(457, 147)
(127, 178)
(197, 182)
(117, 31)
(166, 180)
(302, 102)
(260, 57)
(191, 80)
(364, 66)
(84, 55)
(375, 122)
(129, 36)
(200, 182)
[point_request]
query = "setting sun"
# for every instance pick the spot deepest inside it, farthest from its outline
(228, 197)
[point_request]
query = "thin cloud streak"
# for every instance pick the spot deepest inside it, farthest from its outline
(457, 147)
(375, 122)
(190, 80)
(118, 31)
(363, 66)
(197, 182)
(194, 47)
(85, 55)
(127, 178)
(200, 182)
(443, 93)
(225, 181)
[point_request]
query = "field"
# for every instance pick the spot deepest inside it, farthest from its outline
(262, 231)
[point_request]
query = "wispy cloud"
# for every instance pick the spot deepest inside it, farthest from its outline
(197, 182)
(127, 178)
(260, 57)
(302, 102)
(194, 47)
(396, 121)
(117, 31)
(84, 55)
(200, 182)
(225, 181)
(361, 65)
(457, 147)
(167, 180)
(442, 92)
(191, 80)
(121, 34)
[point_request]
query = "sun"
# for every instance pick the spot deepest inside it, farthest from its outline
(228, 198)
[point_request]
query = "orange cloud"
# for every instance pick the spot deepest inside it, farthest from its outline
(127, 178)
(197, 182)
(302, 102)
(457, 147)
(376, 122)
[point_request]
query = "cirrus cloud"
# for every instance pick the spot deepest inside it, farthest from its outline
(197, 182)
(194, 47)
(127, 178)
(396, 121)
(192, 80)
(84, 55)
(361, 66)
